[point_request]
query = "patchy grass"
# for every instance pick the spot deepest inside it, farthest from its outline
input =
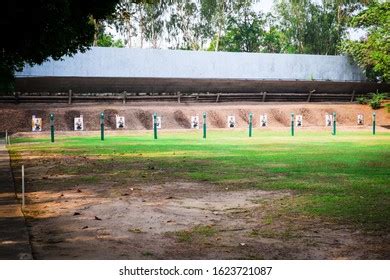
(199, 232)
(343, 177)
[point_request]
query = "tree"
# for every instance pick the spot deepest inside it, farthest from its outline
(372, 53)
(33, 31)
(215, 14)
(183, 25)
(244, 30)
(315, 28)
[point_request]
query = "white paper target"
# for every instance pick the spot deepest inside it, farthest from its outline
(158, 122)
(36, 124)
(79, 123)
(120, 122)
(299, 120)
(195, 122)
(360, 119)
(328, 120)
(231, 121)
(263, 120)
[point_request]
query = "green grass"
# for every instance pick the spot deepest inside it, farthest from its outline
(343, 177)
(197, 232)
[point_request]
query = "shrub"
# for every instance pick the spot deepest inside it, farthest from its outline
(362, 100)
(376, 100)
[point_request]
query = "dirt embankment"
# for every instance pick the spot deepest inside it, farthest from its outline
(17, 118)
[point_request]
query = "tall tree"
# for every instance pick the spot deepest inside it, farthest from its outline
(183, 25)
(215, 13)
(244, 30)
(315, 27)
(372, 52)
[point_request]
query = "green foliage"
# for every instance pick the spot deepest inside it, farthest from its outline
(376, 100)
(33, 31)
(313, 28)
(372, 53)
(362, 100)
(243, 33)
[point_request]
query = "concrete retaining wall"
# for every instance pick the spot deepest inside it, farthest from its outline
(154, 63)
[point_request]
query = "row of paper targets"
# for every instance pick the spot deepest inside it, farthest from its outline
(195, 121)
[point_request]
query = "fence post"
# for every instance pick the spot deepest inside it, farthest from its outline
(70, 97)
(292, 124)
(23, 200)
(334, 123)
(250, 124)
(52, 127)
(204, 125)
(155, 125)
(102, 126)
(373, 122)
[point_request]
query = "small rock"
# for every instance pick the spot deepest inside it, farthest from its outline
(132, 189)
(76, 214)
(85, 227)
(169, 197)
(97, 218)
(242, 244)
(143, 200)
(79, 191)
(125, 194)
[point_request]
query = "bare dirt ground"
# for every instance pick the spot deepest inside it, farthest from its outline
(183, 220)
(17, 118)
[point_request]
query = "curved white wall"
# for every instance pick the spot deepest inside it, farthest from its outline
(153, 63)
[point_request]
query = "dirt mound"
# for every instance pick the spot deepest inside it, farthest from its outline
(69, 118)
(17, 118)
(110, 118)
(279, 117)
(181, 119)
(216, 120)
(244, 115)
(145, 118)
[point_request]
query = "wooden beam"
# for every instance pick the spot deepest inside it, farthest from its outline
(309, 96)
(70, 97)
(353, 96)
(264, 95)
(124, 97)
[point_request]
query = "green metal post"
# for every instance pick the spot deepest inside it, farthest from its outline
(334, 124)
(155, 125)
(250, 124)
(102, 126)
(373, 122)
(292, 124)
(52, 127)
(204, 126)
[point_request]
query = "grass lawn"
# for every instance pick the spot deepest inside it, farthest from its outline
(344, 178)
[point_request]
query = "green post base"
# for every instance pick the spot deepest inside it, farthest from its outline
(52, 128)
(292, 124)
(204, 126)
(155, 126)
(102, 126)
(250, 124)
